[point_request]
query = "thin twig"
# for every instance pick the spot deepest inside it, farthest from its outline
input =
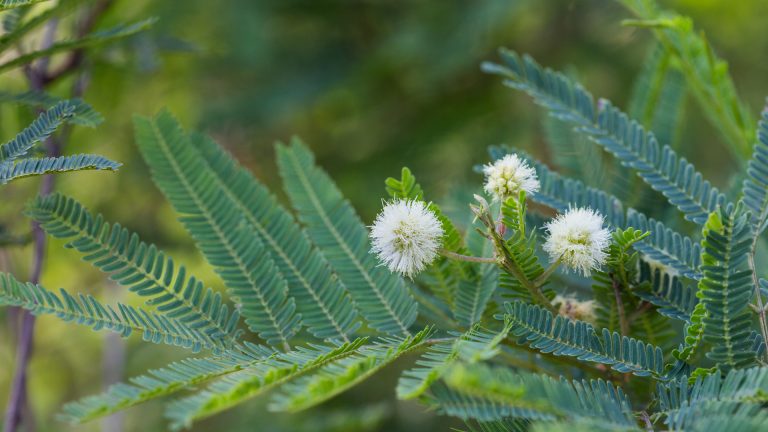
(646, 420)
(539, 281)
(623, 323)
(17, 399)
(460, 257)
(75, 59)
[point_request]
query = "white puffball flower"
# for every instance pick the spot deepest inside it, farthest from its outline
(578, 239)
(406, 236)
(508, 176)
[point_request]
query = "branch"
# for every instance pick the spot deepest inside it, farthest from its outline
(76, 57)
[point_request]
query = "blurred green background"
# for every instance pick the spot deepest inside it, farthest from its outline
(370, 85)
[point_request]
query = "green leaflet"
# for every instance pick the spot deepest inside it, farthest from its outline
(82, 114)
(739, 387)
(156, 383)
(134, 264)
(86, 310)
(467, 407)
(37, 166)
(541, 397)
(672, 298)
(726, 288)
(536, 327)
(321, 298)
(477, 344)
(333, 226)
(14, 165)
(755, 186)
(345, 373)
(39, 130)
(256, 379)
(232, 248)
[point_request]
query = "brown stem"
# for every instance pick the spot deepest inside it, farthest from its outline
(17, 399)
(623, 323)
(18, 396)
(75, 58)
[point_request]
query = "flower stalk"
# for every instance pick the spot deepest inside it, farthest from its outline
(505, 259)
(467, 258)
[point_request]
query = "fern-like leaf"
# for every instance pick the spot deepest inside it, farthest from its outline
(37, 166)
(40, 129)
(476, 345)
(672, 298)
(543, 397)
(340, 375)
(755, 189)
(256, 379)
(86, 310)
(466, 407)
(332, 224)
(321, 299)
(537, 327)
(610, 128)
(83, 113)
(134, 264)
(740, 387)
(726, 289)
(720, 417)
(156, 383)
(231, 246)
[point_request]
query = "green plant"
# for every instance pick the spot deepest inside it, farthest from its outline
(37, 149)
(672, 337)
(16, 162)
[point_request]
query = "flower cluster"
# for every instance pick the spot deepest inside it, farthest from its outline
(406, 236)
(578, 240)
(508, 176)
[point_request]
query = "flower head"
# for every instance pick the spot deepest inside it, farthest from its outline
(578, 239)
(508, 176)
(569, 306)
(406, 236)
